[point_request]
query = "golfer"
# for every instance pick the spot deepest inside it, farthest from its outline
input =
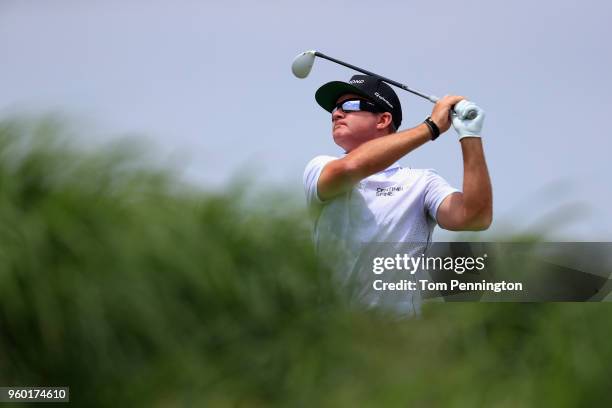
(364, 204)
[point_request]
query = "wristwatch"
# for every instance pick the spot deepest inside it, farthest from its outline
(433, 128)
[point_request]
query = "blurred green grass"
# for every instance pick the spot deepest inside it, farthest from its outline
(137, 290)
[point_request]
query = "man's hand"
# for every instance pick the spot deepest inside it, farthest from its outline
(468, 127)
(441, 111)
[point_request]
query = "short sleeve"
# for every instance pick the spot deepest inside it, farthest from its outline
(436, 190)
(311, 178)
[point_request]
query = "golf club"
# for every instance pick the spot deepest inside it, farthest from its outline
(302, 65)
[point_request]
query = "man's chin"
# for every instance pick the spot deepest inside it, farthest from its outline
(341, 132)
(342, 140)
(339, 136)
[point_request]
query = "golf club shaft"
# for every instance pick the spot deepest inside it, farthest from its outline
(390, 81)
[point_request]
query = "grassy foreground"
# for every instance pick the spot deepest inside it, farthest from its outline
(135, 290)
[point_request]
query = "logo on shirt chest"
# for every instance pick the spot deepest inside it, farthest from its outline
(388, 191)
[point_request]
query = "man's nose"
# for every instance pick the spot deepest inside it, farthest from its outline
(337, 114)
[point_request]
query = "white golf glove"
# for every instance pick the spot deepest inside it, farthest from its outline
(467, 127)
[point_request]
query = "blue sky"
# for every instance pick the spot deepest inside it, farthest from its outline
(210, 85)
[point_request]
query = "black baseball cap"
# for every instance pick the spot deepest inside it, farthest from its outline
(371, 88)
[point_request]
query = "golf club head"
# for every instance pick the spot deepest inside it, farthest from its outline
(302, 64)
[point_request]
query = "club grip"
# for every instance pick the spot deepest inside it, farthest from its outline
(460, 108)
(471, 114)
(466, 110)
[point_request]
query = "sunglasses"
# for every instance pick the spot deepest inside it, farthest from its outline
(356, 105)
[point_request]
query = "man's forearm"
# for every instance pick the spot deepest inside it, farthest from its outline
(477, 191)
(378, 154)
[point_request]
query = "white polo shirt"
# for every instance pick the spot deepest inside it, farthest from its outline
(395, 206)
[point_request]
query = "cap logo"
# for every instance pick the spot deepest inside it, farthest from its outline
(379, 96)
(356, 81)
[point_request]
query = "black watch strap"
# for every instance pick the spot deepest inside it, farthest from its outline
(433, 128)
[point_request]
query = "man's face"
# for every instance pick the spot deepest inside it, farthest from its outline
(351, 129)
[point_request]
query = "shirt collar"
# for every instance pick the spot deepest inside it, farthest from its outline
(394, 166)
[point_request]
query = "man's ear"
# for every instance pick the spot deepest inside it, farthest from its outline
(384, 120)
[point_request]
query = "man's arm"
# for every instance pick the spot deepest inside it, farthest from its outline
(373, 156)
(340, 175)
(471, 210)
